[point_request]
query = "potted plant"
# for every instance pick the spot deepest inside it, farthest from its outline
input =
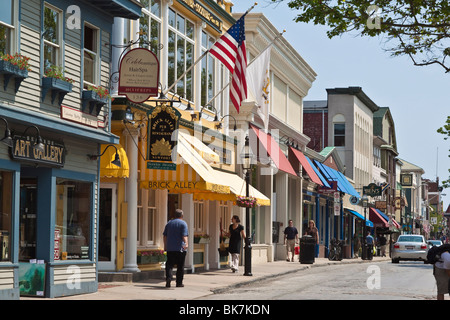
(151, 256)
(16, 66)
(95, 97)
(246, 202)
(55, 81)
(201, 238)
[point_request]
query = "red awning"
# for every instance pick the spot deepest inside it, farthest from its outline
(307, 166)
(274, 151)
(377, 219)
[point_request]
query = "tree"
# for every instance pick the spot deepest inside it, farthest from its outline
(417, 29)
(445, 130)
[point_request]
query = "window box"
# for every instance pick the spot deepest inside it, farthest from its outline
(9, 71)
(57, 86)
(95, 102)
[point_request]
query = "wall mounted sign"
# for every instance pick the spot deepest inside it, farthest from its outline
(200, 10)
(76, 115)
(325, 190)
(406, 179)
(139, 75)
(54, 153)
(163, 121)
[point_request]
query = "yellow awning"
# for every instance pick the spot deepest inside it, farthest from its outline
(110, 170)
(207, 154)
(193, 173)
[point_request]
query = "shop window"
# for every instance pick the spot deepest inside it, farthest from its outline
(146, 217)
(199, 217)
(73, 218)
(52, 37)
(6, 187)
(90, 54)
(180, 54)
(208, 74)
(7, 29)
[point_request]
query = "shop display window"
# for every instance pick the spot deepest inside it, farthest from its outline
(73, 219)
(6, 179)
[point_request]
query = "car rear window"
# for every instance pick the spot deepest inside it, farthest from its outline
(409, 239)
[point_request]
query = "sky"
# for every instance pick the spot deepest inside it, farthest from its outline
(418, 97)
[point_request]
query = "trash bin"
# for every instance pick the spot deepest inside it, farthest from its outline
(307, 249)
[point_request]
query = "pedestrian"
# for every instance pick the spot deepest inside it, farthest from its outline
(176, 243)
(313, 232)
(441, 272)
(236, 234)
(383, 245)
(290, 239)
(357, 244)
(369, 245)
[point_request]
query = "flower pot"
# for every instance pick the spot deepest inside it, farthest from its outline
(204, 240)
(58, 87)
(12, 71)
(94, 101)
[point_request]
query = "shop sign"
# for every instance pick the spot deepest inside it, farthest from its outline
(162, 137)
(139, 75)
(337, 203)
(325, 190)
(54, 153)
(380, 205)
(372, 190)
(399, 202)
(198, 9)
(171, 185)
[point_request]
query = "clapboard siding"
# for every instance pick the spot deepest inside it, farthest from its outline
(65, 274)
(6, 278)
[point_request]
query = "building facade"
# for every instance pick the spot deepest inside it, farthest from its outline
(55, 125)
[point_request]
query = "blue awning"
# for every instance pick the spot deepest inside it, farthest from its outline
(317, 171)
(358, 215)
(334, 175)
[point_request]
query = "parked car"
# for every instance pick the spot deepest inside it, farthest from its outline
(410, 247)
(432, 243)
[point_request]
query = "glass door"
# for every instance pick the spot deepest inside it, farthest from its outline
(107, 227)
(27, 221)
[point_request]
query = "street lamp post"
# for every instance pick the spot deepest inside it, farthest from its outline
(365, 201)
(246, 157)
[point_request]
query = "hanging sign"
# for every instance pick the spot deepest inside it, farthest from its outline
(139, 75)
(162, 137)
(372, 190)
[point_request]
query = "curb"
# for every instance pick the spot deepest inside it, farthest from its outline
(303, 267)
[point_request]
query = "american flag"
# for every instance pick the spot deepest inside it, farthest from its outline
(230, 50)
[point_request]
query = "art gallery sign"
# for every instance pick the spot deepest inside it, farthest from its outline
(139, 75)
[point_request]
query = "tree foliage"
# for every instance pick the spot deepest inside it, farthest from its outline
(417, 29)
(445, 130)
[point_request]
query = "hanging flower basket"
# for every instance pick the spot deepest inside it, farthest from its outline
(246, 202)
(202, 238)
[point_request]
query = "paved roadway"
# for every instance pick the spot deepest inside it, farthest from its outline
(372, 281)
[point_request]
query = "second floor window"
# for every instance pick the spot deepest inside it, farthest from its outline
(52, 37)
(6, 27)
(339, 134)
(90, 68)
(207, 80)
(180, 54)
(150, 26)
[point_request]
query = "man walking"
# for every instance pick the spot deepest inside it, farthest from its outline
(290, 239)
(175, 243)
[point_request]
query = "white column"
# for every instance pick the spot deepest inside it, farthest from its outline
(282, 189)
(187, 205)
(131, 185)
(117, 40)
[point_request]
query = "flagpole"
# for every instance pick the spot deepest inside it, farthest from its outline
(199, 59)
(226, 86)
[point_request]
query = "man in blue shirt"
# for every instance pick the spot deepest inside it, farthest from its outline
(175, 243)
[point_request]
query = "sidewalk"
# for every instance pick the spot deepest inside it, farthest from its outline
(198, 285)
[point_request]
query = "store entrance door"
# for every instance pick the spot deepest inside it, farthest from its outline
(27, 220)
(107, 228)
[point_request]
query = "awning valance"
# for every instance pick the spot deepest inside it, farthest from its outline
(377, 219)
(110, 170)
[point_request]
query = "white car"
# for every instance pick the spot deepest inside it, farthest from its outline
(410, 247)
